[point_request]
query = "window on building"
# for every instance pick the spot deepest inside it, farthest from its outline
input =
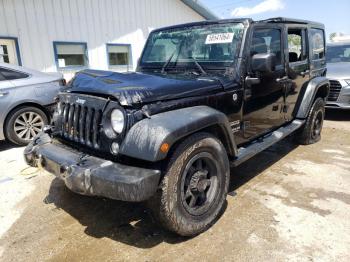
(297, 45)
(267, 40)
(119, 56)
(317, 39)
(11, 74)
(9, 51)
(70, 54)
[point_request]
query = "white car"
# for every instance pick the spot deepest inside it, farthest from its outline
(26, 99)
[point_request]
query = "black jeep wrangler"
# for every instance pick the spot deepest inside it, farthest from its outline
(205, 96)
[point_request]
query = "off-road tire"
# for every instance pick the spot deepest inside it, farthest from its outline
(310, 133)
(10, 122)
(168, 206)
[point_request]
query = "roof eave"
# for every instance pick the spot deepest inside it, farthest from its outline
(200, 9)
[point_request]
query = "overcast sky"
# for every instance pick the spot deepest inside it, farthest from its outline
(335, 14)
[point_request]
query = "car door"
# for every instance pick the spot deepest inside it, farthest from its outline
(7, 93)
(263, 100)
(298, 67)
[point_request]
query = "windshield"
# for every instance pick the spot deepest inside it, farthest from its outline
(338, 53)
(210, 46)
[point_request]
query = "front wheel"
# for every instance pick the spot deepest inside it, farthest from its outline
(311, 132)
(194, 188)
(24, 124)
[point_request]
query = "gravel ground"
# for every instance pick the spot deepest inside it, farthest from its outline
(287, 203)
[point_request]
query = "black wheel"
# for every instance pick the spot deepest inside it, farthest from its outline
(311, 132)
(194, 187)
(24, 124)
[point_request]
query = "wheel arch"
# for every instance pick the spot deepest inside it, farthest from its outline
(317, 87)
(144, 139)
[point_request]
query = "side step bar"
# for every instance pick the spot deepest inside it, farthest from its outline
(244, 153)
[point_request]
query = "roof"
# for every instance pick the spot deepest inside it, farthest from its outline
(290, 20)
(206, 22)
(200, 9)
(244, 21)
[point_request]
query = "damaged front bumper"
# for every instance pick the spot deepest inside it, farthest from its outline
(89, 175)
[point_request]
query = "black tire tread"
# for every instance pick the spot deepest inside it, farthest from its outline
(160, 202)
(303, 137)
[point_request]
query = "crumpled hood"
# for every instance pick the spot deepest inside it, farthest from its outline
(132, 88)
(340, 70)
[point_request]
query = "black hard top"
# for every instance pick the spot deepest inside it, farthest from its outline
(288, 20)
(246, 21)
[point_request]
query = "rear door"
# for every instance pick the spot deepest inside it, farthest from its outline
(264, 100)
(298, 67)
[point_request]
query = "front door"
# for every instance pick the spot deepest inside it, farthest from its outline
(262, 110)
(298, 68)
(8, 52)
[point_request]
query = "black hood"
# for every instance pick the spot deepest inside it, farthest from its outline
(136, 88)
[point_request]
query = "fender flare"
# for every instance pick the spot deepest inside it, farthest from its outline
(309, 95)
(144, 139)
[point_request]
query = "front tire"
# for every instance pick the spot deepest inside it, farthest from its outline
(24, 123)
(311, 132)
(194, 188)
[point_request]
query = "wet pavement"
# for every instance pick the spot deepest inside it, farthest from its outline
(287, 203)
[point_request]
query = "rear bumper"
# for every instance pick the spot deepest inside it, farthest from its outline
(89, 175)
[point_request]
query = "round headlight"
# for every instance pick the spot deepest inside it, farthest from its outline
(117, 120)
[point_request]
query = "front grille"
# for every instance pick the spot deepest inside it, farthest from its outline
(334, 90)
(81, 123)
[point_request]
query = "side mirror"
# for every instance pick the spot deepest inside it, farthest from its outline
(264, 63)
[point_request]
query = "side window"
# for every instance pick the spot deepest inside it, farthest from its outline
(11, 75)
(2, 78)
(267, 40)
(297, 45)
(317, 41)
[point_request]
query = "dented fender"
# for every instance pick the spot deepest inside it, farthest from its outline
(144, 139)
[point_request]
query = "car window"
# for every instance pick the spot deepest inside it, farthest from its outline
(338, 53)
(317, 40)
(11, 74)
(296, 45)
(267, 40)
(2, 78)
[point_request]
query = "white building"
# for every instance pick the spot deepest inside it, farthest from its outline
(69, 35)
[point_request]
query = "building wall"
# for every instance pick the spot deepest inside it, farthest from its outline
(38, 23)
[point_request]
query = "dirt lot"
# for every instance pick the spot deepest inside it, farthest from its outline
(287, 203)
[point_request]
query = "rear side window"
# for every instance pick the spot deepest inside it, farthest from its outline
(318, 46)
(11, 75)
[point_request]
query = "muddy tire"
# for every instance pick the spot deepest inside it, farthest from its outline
(24, 123)
(194, 188)
(311, 132)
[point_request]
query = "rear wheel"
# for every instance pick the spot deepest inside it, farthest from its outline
(311, 132)
(24, 124)
(194, 187)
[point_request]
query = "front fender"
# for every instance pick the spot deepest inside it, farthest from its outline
(309, 95)
(144, 139)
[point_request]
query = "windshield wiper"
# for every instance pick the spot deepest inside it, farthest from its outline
(167, 62)
(198, 65)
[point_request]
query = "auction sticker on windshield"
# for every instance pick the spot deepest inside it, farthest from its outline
(219, 38)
